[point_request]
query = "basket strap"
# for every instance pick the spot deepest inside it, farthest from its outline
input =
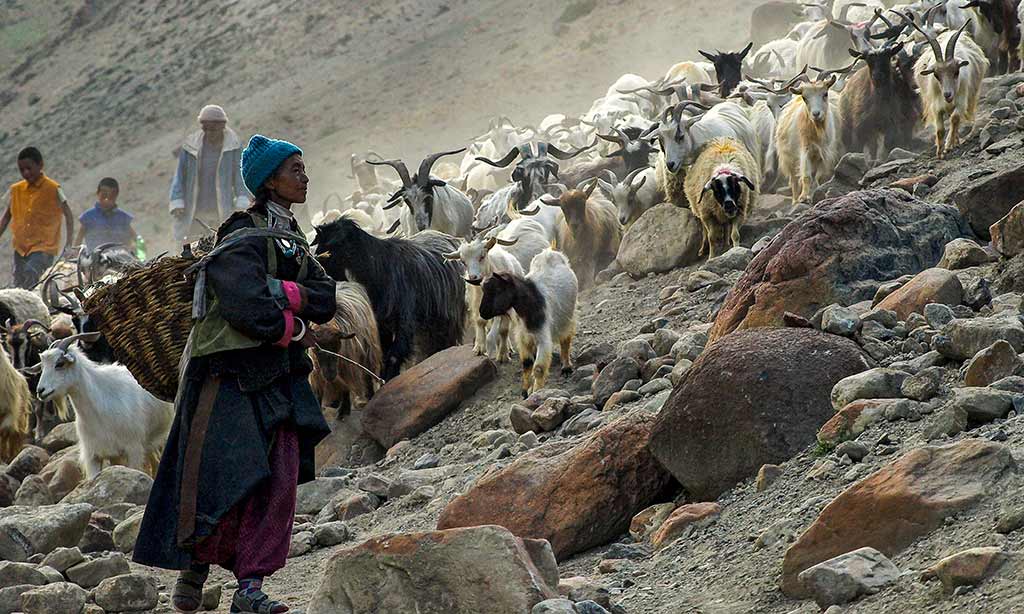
(189, 493)
(199, 304)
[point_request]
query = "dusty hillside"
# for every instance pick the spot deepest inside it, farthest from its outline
(106, 88)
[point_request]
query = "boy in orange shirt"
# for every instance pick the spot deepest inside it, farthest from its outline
(34, 214)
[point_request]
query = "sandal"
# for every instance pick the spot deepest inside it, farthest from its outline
(187, 596)
(255, 602)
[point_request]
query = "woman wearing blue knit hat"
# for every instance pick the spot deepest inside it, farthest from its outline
(246, 421)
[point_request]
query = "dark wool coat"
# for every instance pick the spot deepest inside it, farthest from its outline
(260, 389)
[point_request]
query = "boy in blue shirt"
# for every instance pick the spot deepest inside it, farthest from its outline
(105, 223)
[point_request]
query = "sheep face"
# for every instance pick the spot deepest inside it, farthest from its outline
(499, 293)
(727, 188)
(815, 97)
(56, 376)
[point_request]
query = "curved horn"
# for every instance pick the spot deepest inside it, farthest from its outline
(507, 242)
(393, 227)
(27, 324)
(587, 186)
(547, 200)
(566, 155)
(399, 166)
(844, 13)
(65, 343)
(951, 45)
(632, 175)
(423, 174)
(509, 158)
(936, 49)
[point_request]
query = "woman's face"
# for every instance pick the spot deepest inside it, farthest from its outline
(288, 184)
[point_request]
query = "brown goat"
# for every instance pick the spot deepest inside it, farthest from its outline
(352, 333)
(590, 232)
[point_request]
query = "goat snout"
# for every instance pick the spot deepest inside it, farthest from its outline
(948, 95)
(43, 394)
(817, 115)
(671, 166)
(476, 281)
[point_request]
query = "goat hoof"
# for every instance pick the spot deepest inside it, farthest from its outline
(526, 394)
(566, 371)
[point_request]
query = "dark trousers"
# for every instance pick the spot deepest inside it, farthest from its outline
(28, 269)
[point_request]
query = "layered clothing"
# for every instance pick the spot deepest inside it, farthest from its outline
(230, 193)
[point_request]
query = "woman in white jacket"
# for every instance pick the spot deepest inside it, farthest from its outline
(208, 183)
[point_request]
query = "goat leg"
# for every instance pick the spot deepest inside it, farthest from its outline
(565, 353)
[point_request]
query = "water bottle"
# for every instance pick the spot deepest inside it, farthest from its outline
(140, 248)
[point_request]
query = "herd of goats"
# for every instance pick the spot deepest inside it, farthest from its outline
(456, 244)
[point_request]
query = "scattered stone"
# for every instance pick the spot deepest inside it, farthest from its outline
(684, 521)
(612, 378)
(439, 572)
(655, 386)
(522, 419)
(962, 338)
(766, 476)
(622, 397)
(1008, 233)
(664, 339)
(852, 420)
(29, 461)
(872, 384)
(853, 449)
(663, 238)
(924, 385)
(840, 320)
(33, 492)
(650, 520)
(612, 471)
(115, 484)
(843, 579)
(350, 506)
(899, 503)
(936, 285)
(96, 539)
(423, 395)
(428, 460)
(302, 543)
(127, 593)
(25, 531)
(967, 568)
(599, 354)
(991, 364)
(63, 558)
(90, 573)
(54, 598)
(1010, 519)
(689, 346)
(729, 415)
(554, 606)
(60, 437)
(938, 315)
(947, 422)
(311, 497)
(735, 259)
(638, 349)
(14, 574)
(982, 404)
(986, 200)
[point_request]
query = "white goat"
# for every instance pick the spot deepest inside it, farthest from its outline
(950, 84)
(117, 420)
(635, 194)
(524, 238)
(683, 138)
(808, 137)
(482, 258)
(431, 204)
(544, 305)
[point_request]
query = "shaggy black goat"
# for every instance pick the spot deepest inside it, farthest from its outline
(417, 296)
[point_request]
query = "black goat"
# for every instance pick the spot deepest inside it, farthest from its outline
(728, 68)
(534, 170)
(634, 151)
(417, 296)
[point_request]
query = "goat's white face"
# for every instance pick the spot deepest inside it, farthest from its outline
(677, 144)
(421, 205)
(56, 377)
(474, 256)
(815, 97)
(621, 197)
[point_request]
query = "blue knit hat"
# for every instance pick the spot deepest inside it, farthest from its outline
(262, 157)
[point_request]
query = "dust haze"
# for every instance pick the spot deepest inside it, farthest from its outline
(107, 88)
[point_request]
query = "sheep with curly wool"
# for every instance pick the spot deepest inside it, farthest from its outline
(722, 189)
(16, 403)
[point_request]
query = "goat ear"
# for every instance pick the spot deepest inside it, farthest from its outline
(963, 63)
(452, 256)
(854, 53)
(750, 184)
(707, 55)
(746, 50)
(35, 369)
(927, 71)
(606, 188)
(551, 202)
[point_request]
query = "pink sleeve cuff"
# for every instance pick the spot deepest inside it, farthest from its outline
(289, 329)
(294, 295)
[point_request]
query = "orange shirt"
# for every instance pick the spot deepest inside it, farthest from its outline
(36, 216)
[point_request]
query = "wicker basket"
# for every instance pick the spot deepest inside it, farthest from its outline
(146, 317)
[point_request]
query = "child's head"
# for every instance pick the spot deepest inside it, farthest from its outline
(106, 193)
(30, 164)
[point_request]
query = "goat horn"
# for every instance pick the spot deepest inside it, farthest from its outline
(547, 200)
(632, 175)
(393, 227)
(399, 166)
(565, 155)
(509, 158)
(951, 45)
(587, 186)
(423, 175)
(936, 49)
(844, 14)
(612, 138)
(507, 242)
(490, 243)
(65, 343)
(611, 176)
(27, 324)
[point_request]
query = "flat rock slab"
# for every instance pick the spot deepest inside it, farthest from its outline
(986, 200)
(424, 395)
(891, 508)
(575, 496)
(461, 571)
(843, 579)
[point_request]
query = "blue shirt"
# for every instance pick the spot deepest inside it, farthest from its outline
(102, 227)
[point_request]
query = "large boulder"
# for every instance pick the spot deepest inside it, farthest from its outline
(425, 394)
(963, 338)
(838, 252)
(461, 571)
(115, 484)
(57, 597)
(25, 531)
(754, 397)
(899, 503)
(986, 200)
(665, 237)
(1008, 233)
(574, 496)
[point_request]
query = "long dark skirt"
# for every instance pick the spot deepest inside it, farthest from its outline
(235, 462)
